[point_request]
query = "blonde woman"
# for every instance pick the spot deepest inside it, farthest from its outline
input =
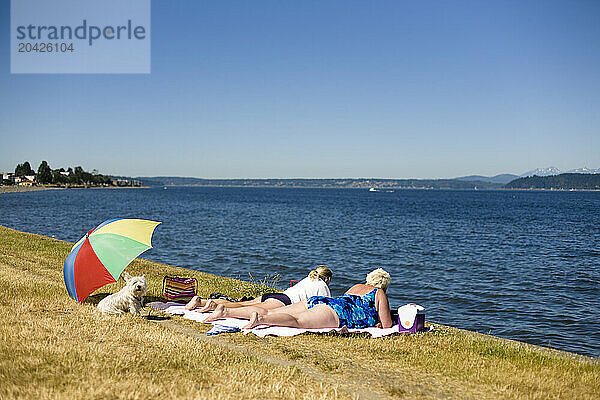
(315, 284)
(363, 305)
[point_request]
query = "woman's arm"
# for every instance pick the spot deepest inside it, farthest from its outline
(383, 309)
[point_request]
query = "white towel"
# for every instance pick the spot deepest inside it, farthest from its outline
(261, 330)
(179, 309)
(168, 307)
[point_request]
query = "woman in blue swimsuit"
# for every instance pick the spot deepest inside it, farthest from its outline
(363, 305)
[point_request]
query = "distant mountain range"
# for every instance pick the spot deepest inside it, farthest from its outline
(506, 178)
(501, 179)
(549, 171)
(464, 182)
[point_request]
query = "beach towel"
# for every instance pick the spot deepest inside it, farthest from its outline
(218, 329)
(263, 330)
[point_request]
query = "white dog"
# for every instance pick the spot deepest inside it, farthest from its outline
(129, 299)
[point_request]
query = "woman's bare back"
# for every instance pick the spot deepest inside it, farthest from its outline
(360, 289)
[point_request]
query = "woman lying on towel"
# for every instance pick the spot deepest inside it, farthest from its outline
(363, 305)
(315, 284)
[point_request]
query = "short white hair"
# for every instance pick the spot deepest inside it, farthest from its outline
(379, 278)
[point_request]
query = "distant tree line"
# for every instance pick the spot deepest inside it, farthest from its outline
(562, 181)
(46, 175)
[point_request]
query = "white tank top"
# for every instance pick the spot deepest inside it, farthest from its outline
(307, 288)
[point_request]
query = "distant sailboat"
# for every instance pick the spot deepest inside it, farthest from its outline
(373, 190)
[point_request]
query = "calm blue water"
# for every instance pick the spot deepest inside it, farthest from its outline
(521, 265)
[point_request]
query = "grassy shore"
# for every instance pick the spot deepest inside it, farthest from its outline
(52, 347)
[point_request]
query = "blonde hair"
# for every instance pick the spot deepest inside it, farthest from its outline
(321, 272)
(379, 278)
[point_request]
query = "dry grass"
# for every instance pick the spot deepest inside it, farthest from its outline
(51, 347)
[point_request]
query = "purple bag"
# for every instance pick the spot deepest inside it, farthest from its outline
(411, 318)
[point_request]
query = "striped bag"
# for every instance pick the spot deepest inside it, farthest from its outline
(179, 289)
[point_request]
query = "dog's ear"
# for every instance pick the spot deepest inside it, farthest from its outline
(125, 276)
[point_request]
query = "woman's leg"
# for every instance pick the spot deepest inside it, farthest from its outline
(320, 316)
(211, 304)
(243, 312)
(196, 301)
(291, 309)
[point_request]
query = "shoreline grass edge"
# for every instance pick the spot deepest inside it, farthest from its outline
(52, 347)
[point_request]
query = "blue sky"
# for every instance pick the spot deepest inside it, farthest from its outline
(325, 89)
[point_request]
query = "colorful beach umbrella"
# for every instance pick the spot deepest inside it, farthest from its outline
(102, 254)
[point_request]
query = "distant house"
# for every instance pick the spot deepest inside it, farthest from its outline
(126, 182)
(8, 177)
(65, 173)
(26, 182)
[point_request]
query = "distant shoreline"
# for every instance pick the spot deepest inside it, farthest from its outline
(18, 189)
(563, 181)
(381, 189)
